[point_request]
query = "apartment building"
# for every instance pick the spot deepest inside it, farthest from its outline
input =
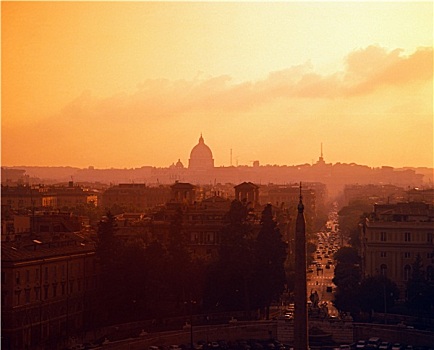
(47, 288)
(392, 238)
(135, 196)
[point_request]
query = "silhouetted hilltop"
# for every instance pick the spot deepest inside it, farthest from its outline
(335, 176)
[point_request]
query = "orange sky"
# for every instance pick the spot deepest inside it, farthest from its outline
(128, 84)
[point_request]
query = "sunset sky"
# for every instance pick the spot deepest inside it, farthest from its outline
(129, 84)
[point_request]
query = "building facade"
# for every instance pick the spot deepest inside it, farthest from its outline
(393, 236)
(135, 196)
(41, 196)
(47, 288)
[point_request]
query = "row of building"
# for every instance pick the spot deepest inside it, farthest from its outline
(49, 269)
(50, 274)
(201, 170)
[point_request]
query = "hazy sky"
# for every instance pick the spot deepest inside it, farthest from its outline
(128, 84)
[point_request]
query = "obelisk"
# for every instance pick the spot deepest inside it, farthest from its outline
(301, 340)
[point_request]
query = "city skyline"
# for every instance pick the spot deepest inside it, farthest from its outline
(125, 85)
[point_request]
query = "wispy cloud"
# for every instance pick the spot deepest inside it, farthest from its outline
(365, 71)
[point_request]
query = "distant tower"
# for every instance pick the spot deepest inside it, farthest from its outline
(301, 339)
(248, 192)
(321, 158)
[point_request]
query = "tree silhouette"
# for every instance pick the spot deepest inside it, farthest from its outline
(347, 278)
(229, 281)
(179, 259)
(270, 256)
(109, 250)
(419, 292)
(377, 293)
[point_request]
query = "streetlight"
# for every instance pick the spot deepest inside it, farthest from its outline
(191, 302)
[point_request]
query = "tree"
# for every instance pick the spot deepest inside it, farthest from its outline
(377, 293)
(350, 217)
(270, 256)
(229, 278)
(109, 250)
(179, 260)
(347, 278)
(419, 292)
(155, 272)
(347, 255)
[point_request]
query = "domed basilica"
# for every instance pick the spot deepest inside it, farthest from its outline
(201, 157)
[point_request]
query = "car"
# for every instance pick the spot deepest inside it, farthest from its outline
(333, 318)
(288, 316)
(373, 343)
(309, 270)
(361, 344)
(397, 346)
(385, 345)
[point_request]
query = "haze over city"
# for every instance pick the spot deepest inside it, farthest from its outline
(113, 84)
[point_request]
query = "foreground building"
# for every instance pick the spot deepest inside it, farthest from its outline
(48, 281)
(393, 237)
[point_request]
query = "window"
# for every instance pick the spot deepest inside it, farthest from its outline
(383, 236)
(383, 270)
(37, 275)
(46, 274)
(407, 255)
(383, 254)
(17, 297)
(429, 236)
(45, 292)
(17, 277)
(27, 276)
(54, 290)
(27, 295)
(38, 293)
(407, 237)
(407, 272)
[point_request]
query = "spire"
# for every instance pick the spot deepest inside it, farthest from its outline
(201, 138)
(301, 338)
(300, 206)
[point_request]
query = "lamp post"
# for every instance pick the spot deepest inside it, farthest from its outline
(191, 302)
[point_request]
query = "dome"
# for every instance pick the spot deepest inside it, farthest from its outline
(201, 156)
(179, 164)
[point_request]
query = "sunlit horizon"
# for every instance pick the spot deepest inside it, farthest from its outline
(126, 85)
